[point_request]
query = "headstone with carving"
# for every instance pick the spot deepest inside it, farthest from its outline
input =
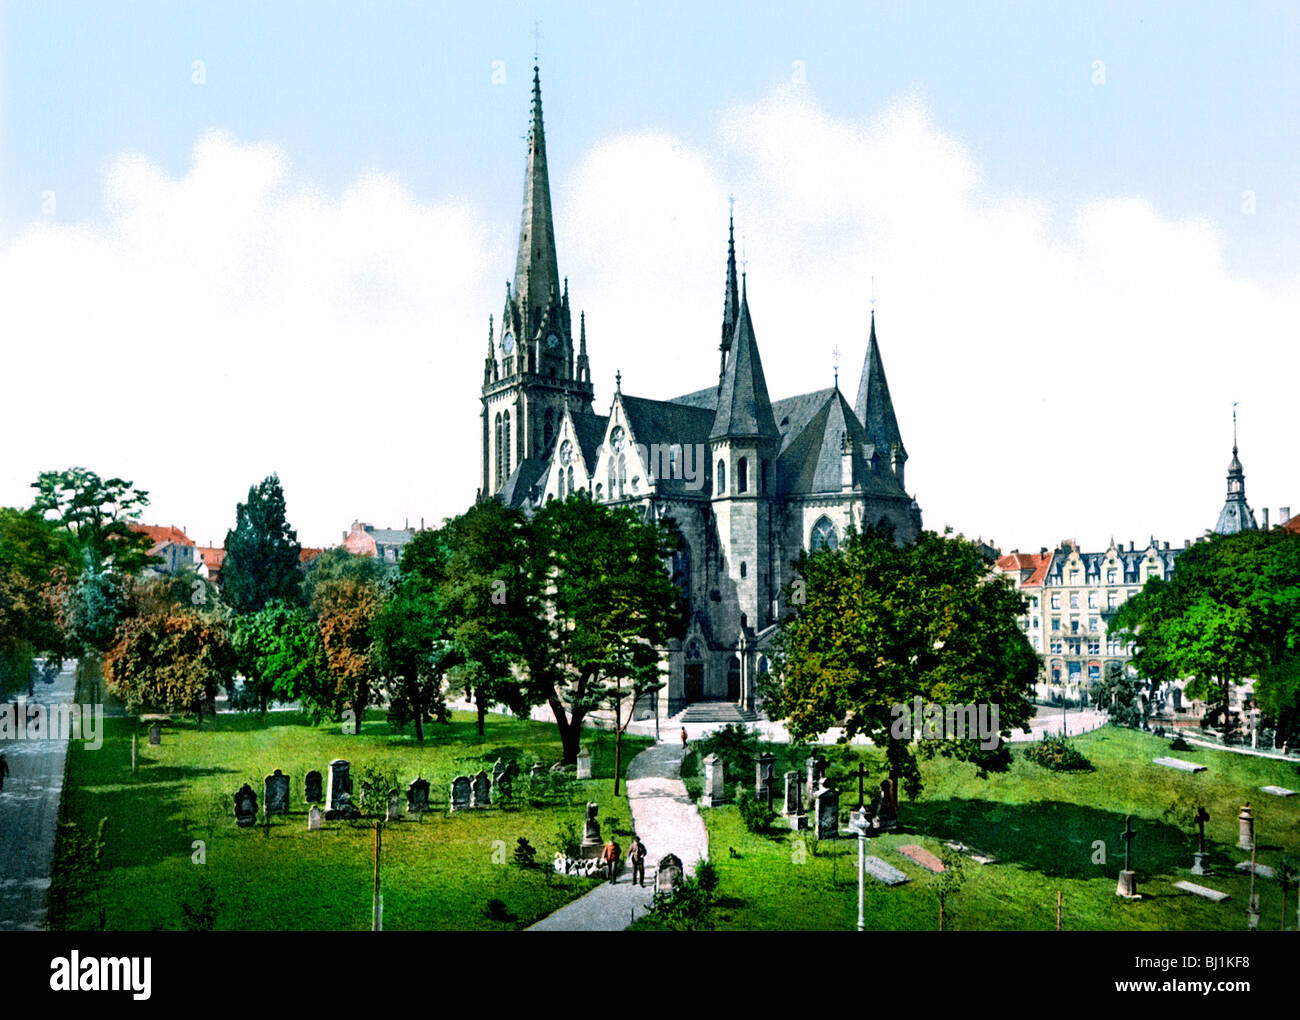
(826, 807)
(669, 875)
(245, 807)
(339, 784)
(277, 793)
(312, 788)
(764, 774)
(394, 806)
(313, 818)
(794, 800)
(715, 781)
(155, 735)
(592, 844)
(481, 790)
(815, 767)
(460, 793)
(417, 797)
(584, 764)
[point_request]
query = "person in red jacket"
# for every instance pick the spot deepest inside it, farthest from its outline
(683, 738)
(610, 855)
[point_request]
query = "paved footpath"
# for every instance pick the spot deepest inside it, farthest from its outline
(29, 814)
(667, 821)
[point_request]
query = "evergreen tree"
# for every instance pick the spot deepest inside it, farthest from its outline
(262, 552)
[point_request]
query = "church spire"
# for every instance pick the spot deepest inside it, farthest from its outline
(874, 407)
(744, 407)
(1236, 514)
(731, 303)
(537, 275)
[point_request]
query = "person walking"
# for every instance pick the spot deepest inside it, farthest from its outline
(4, 771)
(637, 856)
(683, 738)
(610, 855)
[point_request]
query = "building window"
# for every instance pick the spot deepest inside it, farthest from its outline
(1056, 648)
(1056, 600)
(1094, 672)
(722, 477)
(1035, 640)
(1093, 625)
(1056, 623)
(743, 570)
(762, 476)
(823, 534)
(1035, 623)
(505, 448)
(1094, 647)
(1074, 600)
(1092, 600)
(742, 475)
(1112, 600)
(1110, 577)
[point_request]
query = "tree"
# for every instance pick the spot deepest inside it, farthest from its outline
(262, 552)
(172, 662)
(339, 564)
(412, 650)
(610, 607)
(278, 652)
(97, 513)
(1277, 692)
(346, 610)
(1230, 611)
(883, 624)
(1120, 694)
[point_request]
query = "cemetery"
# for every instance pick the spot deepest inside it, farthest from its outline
(277, 819)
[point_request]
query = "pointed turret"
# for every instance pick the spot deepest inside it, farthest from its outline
(537, 275)
(1236, 514)
(874, 407)
(744, 408)
(731, 302)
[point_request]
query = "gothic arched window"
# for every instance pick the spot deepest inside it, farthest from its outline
(622, 473)
(505, 448)
(722, 477)
(742, 475)
(823, 535)
(762, 477)
(569, 472)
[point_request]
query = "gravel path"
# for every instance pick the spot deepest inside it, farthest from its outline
(666, 820)
(29, 813)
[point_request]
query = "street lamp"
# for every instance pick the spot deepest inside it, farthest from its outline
(858, 824)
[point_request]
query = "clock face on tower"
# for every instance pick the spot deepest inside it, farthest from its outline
(552, 342)
(508, 342)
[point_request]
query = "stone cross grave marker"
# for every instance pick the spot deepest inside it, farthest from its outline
(1127, 886)
(277, 793)
(764, 775)
(816, 768)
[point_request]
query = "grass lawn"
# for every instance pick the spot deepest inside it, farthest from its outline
(1042, 827)
(437, 873)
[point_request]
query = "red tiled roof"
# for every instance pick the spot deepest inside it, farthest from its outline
(213, 556)
(1293, 524)
(160, 534)
(1036, 562)
(307, 555)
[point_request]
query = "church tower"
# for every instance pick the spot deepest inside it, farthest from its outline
(530, 374)
(1236, 514)
(744, 443)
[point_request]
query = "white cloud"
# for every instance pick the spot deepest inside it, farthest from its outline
(1057, 371)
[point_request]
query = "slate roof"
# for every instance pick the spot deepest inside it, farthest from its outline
(874, 407)
(526, 475)
(812, 451)
(744, 408)
(591, 433)
(1093, 563)
(707, 397)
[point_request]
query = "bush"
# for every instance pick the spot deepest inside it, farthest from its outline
(757, 815)
(736, 745)
(525, 854)
(689, 907)
(1055, 752)
(707, 875)
(565, 842)
(200, 913)
(1179, 744)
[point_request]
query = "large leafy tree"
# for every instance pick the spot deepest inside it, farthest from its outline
(1230, 611)
(609, 607)
(98, 514)
(262, 552)
(346, 610)
(278, 651)
(1121, 694)
(413, 650)
(171, 662)
(36, 556)
(338, 564)
(883, 624)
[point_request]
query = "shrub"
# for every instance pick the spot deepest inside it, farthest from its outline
(689, 907)
(707, 875)
(525, 854)
(1179, 744)
(200, 912)
(736, 745)
(757, 815)
(565, 842)
(1055, 752)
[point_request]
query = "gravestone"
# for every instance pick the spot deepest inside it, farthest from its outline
(313, 818)
(245, 807)
(974, 855)
(417, 797)
(536, 771)
(1178, 700)
(394, 806)
(364, 799)
(883, 871)
(1198, 857)
(343, 808)
(1179, 764)
(1127, 885)
(498, 770)
(312, 788)
(715, 787)
(669, 875)
(340, 783)
(764, 775)
(481, 791)
(816, 769)
(584, 764)
(1262, 870)
(1246, 820)
(592, 844)
(826, 808)
(923, 857)
(460, 793)
(277, 793)
(1278, 791)
(155, 735)
(1203, 891)
(505, 782)
(794, 801)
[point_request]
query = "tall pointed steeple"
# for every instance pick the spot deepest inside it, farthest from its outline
(731, 302)
(874, 407)
(744, 408)
(1236, 514)
(537, 274)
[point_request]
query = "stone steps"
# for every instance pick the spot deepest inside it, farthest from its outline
(716, 712)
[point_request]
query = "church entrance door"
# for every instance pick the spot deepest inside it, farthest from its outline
(695, 681)
(733, 679)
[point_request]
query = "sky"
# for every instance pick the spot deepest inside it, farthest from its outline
(238, 239)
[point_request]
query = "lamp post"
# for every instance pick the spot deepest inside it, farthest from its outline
(858, 824)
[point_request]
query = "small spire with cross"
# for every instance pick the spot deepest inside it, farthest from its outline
(618, 381)
(835, 360)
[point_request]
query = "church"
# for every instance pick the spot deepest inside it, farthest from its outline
(750, 481)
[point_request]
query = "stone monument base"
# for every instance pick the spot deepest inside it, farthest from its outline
(1127, 886)
(1198, 865)
(798, 822)
(590, 851)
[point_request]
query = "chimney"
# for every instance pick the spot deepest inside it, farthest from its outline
(1265, 513)
(1130, 545)
(1042, 550)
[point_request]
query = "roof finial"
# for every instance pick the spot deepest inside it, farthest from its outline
(1234, 427)
(618, 381)
(537, 43)
(835, 359)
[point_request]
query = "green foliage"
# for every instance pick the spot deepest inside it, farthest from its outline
(1179, 744)
(707, 875)
(566, 840)
(171, 662)
(689, 907)
(758, 815)
(735, 744)
(377, 778)
(1054, 752)
(77, 886)
(278, 650)
(346, 611)
(1277, 692)
(338, 564)
(94, 608)
(413, 651)
(498, 913)
(262, 552)
(882, 624)
(200, 911)
(525, 853)
(97, 514)
(1231, 610)
(1119, 693)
